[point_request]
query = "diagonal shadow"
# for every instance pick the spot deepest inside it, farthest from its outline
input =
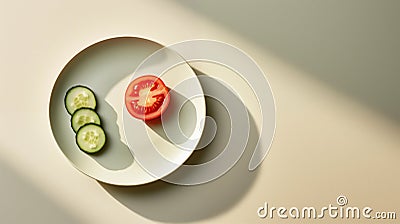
(21, 202)
(351, 46)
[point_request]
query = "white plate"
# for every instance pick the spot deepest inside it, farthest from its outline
(105, 67)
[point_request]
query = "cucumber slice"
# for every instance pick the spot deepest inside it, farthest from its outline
(79, 97)
(84, 116)
(90, 138)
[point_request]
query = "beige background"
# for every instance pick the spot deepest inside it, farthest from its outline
(333, 67)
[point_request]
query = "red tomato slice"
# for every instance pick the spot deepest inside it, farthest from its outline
(146, 97)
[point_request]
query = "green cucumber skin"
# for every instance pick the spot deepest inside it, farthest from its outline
(83, 150)
(84, 108)
(76, 86)
(75, 110)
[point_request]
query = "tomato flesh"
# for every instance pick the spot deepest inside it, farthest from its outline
(146, 97)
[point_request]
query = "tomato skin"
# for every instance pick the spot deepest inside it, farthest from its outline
(147, 97)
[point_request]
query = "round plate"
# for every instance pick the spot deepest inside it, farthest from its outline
(106, 67)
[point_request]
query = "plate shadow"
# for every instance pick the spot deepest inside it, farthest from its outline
(165, 202)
